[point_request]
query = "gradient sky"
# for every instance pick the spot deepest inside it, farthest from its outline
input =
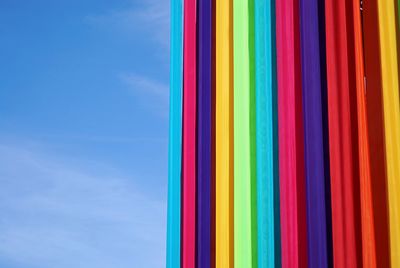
(83, 133)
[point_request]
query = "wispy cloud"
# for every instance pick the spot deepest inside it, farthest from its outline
(149, 18)
(146, 85)
(153, 93)
(56, 213)
(145, 22)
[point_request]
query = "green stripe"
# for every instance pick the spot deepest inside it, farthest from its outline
(245, 221)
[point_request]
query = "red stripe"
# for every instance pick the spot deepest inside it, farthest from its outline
(189, 136)
(345, 210)
(291, 147)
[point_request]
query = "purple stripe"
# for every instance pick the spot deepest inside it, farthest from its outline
(204, 134)
(313, 86)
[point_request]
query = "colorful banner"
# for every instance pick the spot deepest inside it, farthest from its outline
(284, 146)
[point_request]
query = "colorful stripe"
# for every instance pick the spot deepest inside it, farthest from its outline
(175, 137)
(245, 240)
(224, 135)
(268, 220)
(312, 85)
(345, 249)
(373, 80)
(367, 217)
(291, 157)
(189, 137)
(204, 133)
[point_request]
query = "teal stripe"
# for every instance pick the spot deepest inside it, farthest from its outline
(267, 136)
(175, 137)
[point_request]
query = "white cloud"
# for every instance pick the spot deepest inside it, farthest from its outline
(58, 214)
(151, 17)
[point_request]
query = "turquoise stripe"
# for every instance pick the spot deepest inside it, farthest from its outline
(267, 136)
(175, 137)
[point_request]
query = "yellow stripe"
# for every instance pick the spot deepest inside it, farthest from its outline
(224, 135)
(387, 29)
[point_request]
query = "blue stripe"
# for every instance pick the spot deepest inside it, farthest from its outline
(268, 223)
(175, 137)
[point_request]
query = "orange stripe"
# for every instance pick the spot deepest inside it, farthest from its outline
(367, 220)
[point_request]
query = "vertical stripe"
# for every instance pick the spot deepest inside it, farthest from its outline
(376, 129)
(340, 136)
(367, 219)
(391, 105)
(313, 132)
(175, 137)
(268, 223)
(224, 134)
(204, 93)
(189, 136)
(244, 143)
(291, 161)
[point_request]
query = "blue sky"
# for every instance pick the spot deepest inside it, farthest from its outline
(83, 133)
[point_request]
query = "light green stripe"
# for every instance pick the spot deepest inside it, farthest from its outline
(245, 222)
